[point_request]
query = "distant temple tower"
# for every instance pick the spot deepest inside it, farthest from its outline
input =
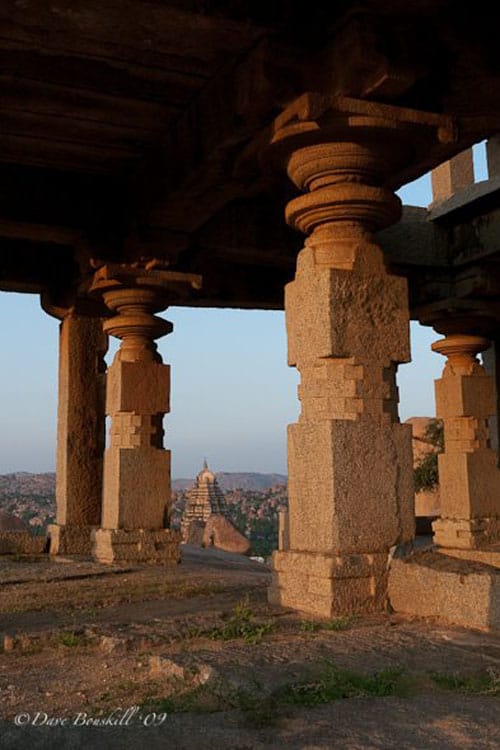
(204, 498)
(205, 520)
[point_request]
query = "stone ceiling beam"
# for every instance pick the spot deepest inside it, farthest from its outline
(40, 233)
(192, 173)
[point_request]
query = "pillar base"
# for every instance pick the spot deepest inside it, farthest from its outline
(70, 540)
(329, 585)
(157, 547)
(467, 533)
(462, 592)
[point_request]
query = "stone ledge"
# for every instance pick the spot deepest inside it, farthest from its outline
(485, 555)
(456, 591)
(156, 546)
(21, 543)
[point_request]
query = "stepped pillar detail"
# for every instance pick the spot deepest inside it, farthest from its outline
(349, 458)
(136, 491)
(469, 477)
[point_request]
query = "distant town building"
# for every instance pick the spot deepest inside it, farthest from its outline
(205, 520)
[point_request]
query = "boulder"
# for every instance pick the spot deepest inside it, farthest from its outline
(220, 532)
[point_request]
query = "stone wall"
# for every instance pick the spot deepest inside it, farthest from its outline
(21, 543)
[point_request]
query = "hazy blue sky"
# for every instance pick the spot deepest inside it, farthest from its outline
(232, 392)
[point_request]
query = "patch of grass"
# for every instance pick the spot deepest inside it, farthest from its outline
(200, 699)
(71, 640)
(241, 624)
(486, 683)
(339, 623)
(193, 631)
(260, 708)
(335, 684)
(309, 626)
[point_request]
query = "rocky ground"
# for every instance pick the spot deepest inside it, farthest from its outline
(194, 657)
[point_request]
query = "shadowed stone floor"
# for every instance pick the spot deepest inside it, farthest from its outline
(81, 638)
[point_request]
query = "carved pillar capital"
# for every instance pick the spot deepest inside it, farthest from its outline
(134, 295)
(346, 155)
(343, 187)
(134, 322)
(461, 351)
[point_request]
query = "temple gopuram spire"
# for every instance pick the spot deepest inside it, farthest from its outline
(205, 521)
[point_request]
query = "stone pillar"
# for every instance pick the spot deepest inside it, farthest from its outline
(493, 156)
(491, 365)
(80, 433)
(350, 476)
(283, 531)
(452, 176)
(136, 493)
(469, 477)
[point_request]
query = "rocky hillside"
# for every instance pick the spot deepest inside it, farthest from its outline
(23, 484)
(30, 497)
(237, 481)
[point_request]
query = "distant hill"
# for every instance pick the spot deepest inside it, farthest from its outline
(237, 480)
(24, 484)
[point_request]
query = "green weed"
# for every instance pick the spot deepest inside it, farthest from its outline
(260, 708)
(335, 684)
(241, 624)
(487, 683)
(71, 640)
